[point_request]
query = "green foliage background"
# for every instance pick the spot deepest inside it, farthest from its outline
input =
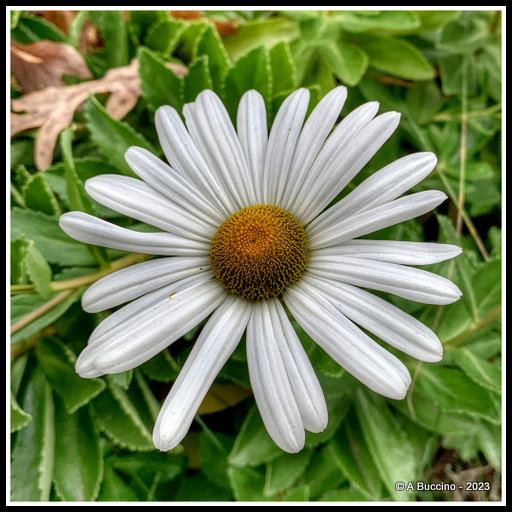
(76, 439)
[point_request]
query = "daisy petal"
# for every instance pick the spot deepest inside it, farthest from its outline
(312, 137)
(281, 144)
(331, 151)
(215, 344)
(184, 156)
(195, 128)
(393, 251)
(132, 282)
(269, 381)
(305, 386)
(172, 185)
(126, 318)
(380, 188)
(409, 283)
(253, 134)
(160, 326)
(381, 318)
(224, 147)
(138, 200)
(133, 313)
(357, 353)
(91, 230)
(360, 150)
(399, 210)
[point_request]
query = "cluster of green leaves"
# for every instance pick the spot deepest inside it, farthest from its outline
(77, 439)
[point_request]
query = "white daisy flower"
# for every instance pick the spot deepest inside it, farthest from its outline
(244, 235)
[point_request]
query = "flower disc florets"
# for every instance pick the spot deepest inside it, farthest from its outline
(259, 251)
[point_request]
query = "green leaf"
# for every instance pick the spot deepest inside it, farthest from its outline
(18, 249)
(16, 197)
(167, 465)
(423, 101)
(392, 452)
(255, 33)
(323, 473)
(114, 488)
(163, 36)
(149, 472)
(161, 368)
(486, 286)
(252, 71)
(343, 495)
(38, 271)
(425, 443)
(475, 171)
(318, 76)
(345, 60)
(455, 319)
(77, 197)
(396, 57)
(58, 363)
(372, 90)
(464, 35)
(190, 39)
(113, 137)
(31, 29)
(466, 271)
(122, 379)
(431, 20)
(197, 79)
(140, 22)
(253, 445)
(197, 488)
(480, 371)
(211, 44)
(283, 68)
(85, 168)
(452, 391)
(300, 493)
(215, 448)
(19, 418)
(19, 367)
(78, 467)
(494, 235)
(284, 471)
(38, 195)
(33, 451)
(485, 344)
(425, 412)
(146, 394)
(22, 305)
(247, 484)
(159, 84)
(14, 18)
(119, 418)
(489, 440)
(466, 446)
(355, 461)
(54, 244)
(112, 27)
(451, 68)
(389, 21)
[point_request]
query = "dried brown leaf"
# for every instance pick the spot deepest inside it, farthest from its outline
(42, 64)
(61, 19)
(224, 28)
(52, 109)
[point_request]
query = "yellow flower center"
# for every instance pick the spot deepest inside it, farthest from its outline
(259, 251)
